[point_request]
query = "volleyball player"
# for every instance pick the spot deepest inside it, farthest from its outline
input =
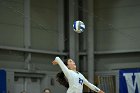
(71, 78)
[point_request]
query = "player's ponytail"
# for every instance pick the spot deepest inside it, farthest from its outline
(62, 79)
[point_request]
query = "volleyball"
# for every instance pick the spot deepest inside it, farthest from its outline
(78, 26)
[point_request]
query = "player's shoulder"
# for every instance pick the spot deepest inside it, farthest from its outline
(70, 71)
(81, 75)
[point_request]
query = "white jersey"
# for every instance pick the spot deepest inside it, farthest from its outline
(75, 79)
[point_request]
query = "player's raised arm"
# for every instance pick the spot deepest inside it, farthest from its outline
(62, 66)
(91, 86)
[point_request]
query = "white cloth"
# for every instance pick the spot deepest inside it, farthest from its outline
(75, 79)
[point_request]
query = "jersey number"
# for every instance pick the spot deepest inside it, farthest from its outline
(80, 81)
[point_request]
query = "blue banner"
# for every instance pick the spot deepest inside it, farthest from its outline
(129, 81)
(2, 81)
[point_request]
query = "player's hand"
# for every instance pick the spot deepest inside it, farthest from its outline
(101, 91)
(54, 62)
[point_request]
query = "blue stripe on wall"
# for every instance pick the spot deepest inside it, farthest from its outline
(2, 81)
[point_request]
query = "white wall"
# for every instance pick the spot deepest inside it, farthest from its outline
(117, 25)
(117, 28)
(44, 32)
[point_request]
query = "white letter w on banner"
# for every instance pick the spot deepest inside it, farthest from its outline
(131, 85)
